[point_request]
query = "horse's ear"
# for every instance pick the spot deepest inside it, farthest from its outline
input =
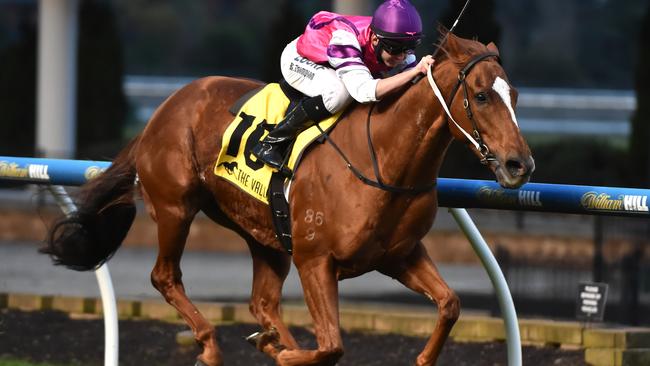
(493, 48)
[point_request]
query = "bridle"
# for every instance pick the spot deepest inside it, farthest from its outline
(486, 155)
(475, 138)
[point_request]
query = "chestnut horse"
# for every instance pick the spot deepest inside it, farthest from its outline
(341, 227)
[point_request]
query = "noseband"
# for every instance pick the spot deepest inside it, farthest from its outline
(475, 138)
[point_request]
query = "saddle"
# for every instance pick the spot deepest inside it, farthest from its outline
(256, 113)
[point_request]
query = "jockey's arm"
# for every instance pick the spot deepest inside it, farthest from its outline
(390, 84)
(364, 88)
(345, 56)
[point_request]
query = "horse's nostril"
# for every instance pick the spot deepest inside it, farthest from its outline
(515, 167)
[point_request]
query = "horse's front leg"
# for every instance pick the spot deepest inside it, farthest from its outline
(418, 273)
(320, 287)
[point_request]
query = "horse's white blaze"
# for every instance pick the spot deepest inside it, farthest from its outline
(503, 89)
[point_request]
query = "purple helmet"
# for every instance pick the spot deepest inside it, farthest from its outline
(397, 24)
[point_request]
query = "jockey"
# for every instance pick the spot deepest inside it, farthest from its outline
(340, 58)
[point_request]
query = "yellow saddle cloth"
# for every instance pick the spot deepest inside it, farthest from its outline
(254, 120)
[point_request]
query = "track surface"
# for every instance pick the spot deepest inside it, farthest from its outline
(55, 337)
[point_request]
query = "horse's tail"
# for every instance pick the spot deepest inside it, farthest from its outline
(87, 238)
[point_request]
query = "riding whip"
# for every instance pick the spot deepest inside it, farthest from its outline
(451, 30)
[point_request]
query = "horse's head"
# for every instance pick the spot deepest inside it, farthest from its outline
(482, 102)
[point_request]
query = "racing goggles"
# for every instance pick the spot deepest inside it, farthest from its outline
(396, 46)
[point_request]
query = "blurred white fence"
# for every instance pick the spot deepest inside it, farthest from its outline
(585, 112)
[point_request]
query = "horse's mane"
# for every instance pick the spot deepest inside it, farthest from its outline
(456, 49)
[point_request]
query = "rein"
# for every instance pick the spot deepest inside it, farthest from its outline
(378, 183)
(476, 140)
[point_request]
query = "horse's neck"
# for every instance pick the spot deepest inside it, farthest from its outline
(416, 135)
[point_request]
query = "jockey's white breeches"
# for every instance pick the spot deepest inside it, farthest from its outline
(313, 79)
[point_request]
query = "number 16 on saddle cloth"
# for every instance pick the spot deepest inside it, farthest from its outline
(253, 121)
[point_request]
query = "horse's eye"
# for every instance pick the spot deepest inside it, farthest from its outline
(481, 97)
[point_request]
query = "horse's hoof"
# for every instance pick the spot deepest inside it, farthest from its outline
(261, 339)
(214, 361)
(253, 339)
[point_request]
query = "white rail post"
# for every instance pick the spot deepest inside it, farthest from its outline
(109, 306)
(58, 29)
(506, 304)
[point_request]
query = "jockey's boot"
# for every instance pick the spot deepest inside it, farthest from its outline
(273, 148)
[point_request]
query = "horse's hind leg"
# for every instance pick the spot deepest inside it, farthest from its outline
(174, 219)
(418, 273)
(270, 269)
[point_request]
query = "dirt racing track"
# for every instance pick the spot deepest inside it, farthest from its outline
(599, 344)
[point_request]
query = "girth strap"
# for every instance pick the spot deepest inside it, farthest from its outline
(280, 211)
